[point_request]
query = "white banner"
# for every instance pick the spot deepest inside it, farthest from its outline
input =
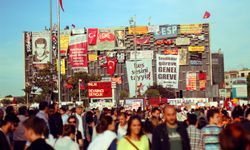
(167, 70)
(182, 41)
(147, 54)
(144, 76)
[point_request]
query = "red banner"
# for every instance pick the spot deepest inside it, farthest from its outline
(111, 66)
(143, 40)
(99, 89)
(92, 36)
(106, 37)
(164, 42)
(202, 80)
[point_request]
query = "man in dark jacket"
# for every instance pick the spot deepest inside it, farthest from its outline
(55, 121)
(171, 135)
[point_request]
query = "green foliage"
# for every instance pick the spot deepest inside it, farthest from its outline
(152, 93)
(124, 94)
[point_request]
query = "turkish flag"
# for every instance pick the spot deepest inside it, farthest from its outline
(61, 4)
(92, 36)
(206, 15)
(111, 63)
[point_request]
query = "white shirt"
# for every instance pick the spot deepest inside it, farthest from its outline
(121, 131)
(66, 143)
(80, 125)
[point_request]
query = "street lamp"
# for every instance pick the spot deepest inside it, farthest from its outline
(79, 88)
(132, 23)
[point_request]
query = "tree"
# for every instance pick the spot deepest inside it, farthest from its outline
(124, 94)
(164, 92)
(152, 93)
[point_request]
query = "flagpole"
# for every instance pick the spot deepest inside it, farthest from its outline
(58, 53)
(51, 59)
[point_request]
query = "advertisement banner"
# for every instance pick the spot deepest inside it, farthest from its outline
(167, 70)
(106, 39)
(239, 88)
(120, 38)
(190, 81)
(64, 41)
(190, 28)
(40, 47)
(196, 48)
(28, 43)
(138, 30)
(99, 89)
(183, 56)
(182, 41)
(92, 36)
(166, 31)
(63, 69)
(92, 56)
(147, 54)
(78, 53)
(195, 59)
(143, 73)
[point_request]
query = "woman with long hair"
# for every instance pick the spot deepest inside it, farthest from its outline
(134, 139)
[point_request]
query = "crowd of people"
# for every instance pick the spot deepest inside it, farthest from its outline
(161, 128)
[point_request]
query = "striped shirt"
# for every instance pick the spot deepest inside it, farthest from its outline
(195, 137)
(210, 137)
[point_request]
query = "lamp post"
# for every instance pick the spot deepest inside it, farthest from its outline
(132, 23)
(79, 88)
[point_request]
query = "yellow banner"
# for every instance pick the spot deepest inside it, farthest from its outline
(190, 28)
(196, 48)
(138, 30)
(92, 57)
(63, 70)
(64, 43)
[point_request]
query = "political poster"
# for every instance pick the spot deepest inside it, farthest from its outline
(183, 56)
(190, 28)
(138, 30)
(182, 41)
(28, 43)
(145, 54)
(196, 48)
(167, 70)
(120, 57)
(142, 71)
(119, 38)
(166, 31)
(191, 81)
(78, 53)
(195, 59)
(40, 47)
(64, 41)
(92, 56)
(99, 89)
(63, 69)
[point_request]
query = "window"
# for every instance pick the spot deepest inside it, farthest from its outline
(242, 74)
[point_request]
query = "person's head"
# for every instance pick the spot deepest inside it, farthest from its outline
(44, 106)
(69, 130)
(63, 110)
(56, 106)
(122, 119)
(106, 123)
(35, 128)
(40, 45)
(237, 112)
(89, 117)
(247, 114)
(22, 110)
(72, 120)
(51, 109)
(10, 122)
(170, 115)
(233, 137)
(155, 121)
(156, 112)
(201, 123)
(10, 109)
(134, 126)
(79, 110)
(192, 119)
(213, 116)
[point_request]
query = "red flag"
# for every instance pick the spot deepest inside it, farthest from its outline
(206, 15)
(92, 36)
(61, 4)
(73, 26)
(111, 65)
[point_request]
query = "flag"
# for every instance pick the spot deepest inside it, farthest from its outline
(92, 36)
(61, 4)
(111, 66)
(73, 26)
(206, 15)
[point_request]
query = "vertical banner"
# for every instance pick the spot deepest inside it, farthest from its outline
(144, 76)
(202, 80)
(64, 41)
(183, 56)
(78, 53)
(190, 81)
(120, 57)
(28, 43)
(63, 69)
(119, 38)
(40, 47)
(195, 59)
(166, 31)
(92, 36)
(167, 70)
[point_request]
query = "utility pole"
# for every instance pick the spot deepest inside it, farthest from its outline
(58, 54)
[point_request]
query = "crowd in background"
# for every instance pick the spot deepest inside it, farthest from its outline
(160, 128)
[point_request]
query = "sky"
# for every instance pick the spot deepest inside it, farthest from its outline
(229, 26)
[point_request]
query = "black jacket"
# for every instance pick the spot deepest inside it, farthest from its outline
(4, 144)
(55, 124)
(39, 144)
(161, 139)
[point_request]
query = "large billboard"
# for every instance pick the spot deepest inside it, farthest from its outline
(99, 89)
(167, 70)
(143, 72)
(239, 88)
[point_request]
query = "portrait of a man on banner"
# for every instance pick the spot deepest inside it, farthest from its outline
(41, 52)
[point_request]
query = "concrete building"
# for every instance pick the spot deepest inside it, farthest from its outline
(218, 68)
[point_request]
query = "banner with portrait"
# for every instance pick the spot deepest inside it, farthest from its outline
(167, 70)
(40, 47)
(142, 72)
